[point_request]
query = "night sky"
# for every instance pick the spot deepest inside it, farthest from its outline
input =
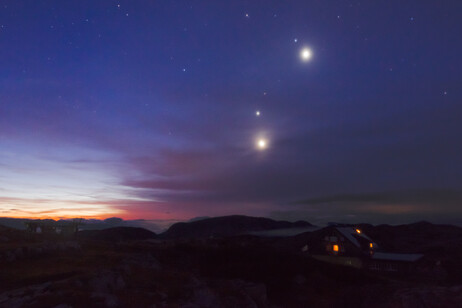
(148, 109)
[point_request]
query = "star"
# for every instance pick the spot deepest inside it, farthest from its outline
(295, 40)
(246, 15)
(306, 54)
(257, 113)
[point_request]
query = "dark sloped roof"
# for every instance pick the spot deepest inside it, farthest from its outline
(351, 234)
(406, 257)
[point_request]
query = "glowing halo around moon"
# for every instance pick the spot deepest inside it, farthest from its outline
(306, 54)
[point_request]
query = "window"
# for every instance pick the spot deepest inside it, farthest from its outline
(335, 248)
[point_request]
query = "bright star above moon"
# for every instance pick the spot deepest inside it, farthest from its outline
(306, 54)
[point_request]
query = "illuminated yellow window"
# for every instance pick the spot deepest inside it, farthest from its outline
(357, 230)
(335, 247)
(371, 245)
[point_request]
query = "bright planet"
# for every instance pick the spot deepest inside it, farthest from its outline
(306, 54)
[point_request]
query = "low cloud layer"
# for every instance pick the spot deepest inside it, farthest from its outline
(395, 207)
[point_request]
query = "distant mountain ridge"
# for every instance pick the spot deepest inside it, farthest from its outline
(156, 226)
(227, 226)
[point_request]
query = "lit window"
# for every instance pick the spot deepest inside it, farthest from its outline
(335, 247)
(371, 245)
(359, 231)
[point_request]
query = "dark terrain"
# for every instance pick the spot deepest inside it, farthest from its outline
(227, 226)
(214, 263)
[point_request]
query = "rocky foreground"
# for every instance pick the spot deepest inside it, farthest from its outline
(119, 270)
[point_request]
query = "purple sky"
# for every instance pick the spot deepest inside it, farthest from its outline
(147, 109)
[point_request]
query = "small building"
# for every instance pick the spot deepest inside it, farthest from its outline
(349, 246)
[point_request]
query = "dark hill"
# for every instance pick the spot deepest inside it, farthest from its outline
(11, 235)
(227, 226)
(422, 237)
(116, 234)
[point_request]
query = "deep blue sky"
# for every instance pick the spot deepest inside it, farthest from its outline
(146, 109)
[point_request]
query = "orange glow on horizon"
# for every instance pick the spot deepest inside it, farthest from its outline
(118, 211)
(55, 217)
(122, 215)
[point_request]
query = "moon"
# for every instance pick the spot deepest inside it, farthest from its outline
(306, 54)
(262, 144)
(257, 113)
